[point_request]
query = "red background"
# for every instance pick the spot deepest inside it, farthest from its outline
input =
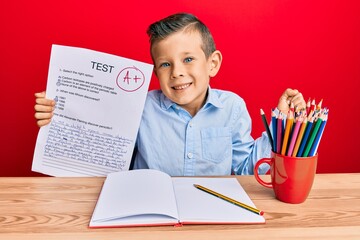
(313, 46)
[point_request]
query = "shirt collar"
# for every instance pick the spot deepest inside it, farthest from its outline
(212, 99)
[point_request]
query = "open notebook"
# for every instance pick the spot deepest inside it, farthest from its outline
(150, 197)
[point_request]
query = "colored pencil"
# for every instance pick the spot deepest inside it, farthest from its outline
(318, 106)
(299, 137)
(294, 136)
(308, 104)
(313, 106)
(298, 132)
(274, 131)
(279, 133)
(230, 200)
(312, 137)
(292, 108)
(266, 125)
(315, 145)
(289, 123)
(310, 115)
(305, 137)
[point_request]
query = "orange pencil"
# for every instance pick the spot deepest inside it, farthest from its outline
(289, 124)
(299, 137)
(318, 107)
(294, 135)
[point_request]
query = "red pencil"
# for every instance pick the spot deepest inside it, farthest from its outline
(292, 108)
(308, 105)
(312, 105)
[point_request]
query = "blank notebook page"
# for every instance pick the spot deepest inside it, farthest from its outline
(198, 206)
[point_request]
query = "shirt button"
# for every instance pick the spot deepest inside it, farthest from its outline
(190, 124)
(190, 155)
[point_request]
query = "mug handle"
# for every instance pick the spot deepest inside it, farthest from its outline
(256, 172)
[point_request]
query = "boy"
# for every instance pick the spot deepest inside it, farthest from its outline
(187, 128)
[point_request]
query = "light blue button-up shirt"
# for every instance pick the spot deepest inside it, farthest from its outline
(216, 141)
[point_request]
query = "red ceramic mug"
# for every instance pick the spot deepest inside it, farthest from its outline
(291, 177)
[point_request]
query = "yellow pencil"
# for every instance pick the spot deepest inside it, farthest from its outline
(233, 201)
(289, 124)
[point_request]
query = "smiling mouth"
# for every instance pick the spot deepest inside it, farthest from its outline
(181, 87)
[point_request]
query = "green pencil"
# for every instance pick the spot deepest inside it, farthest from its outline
(312, 137)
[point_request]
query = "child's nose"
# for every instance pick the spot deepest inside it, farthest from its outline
(177, 71)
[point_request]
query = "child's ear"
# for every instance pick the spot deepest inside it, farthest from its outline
(215, 63)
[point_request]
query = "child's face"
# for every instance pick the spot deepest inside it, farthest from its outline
(182, 69)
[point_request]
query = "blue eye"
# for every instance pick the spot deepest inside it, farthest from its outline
(164, 65)
(188, 59)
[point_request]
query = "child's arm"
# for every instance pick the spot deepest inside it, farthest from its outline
(291, 96)
(44, 109)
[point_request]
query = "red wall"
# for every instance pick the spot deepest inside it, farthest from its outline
(267, 46)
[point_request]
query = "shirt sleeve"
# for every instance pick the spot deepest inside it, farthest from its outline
(246, 150)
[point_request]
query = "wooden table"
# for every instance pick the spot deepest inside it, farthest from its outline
(60, 208)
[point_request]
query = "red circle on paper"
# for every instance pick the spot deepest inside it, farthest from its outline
(130, 79)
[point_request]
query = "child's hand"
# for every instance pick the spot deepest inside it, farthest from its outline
(44, 109)
(291, 96)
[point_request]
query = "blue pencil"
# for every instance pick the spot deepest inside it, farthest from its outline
(305, 137)
(314, 131)
(279, 133)
(315, 145)
(273, 123)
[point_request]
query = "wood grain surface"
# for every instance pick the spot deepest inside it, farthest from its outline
(60, 208)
